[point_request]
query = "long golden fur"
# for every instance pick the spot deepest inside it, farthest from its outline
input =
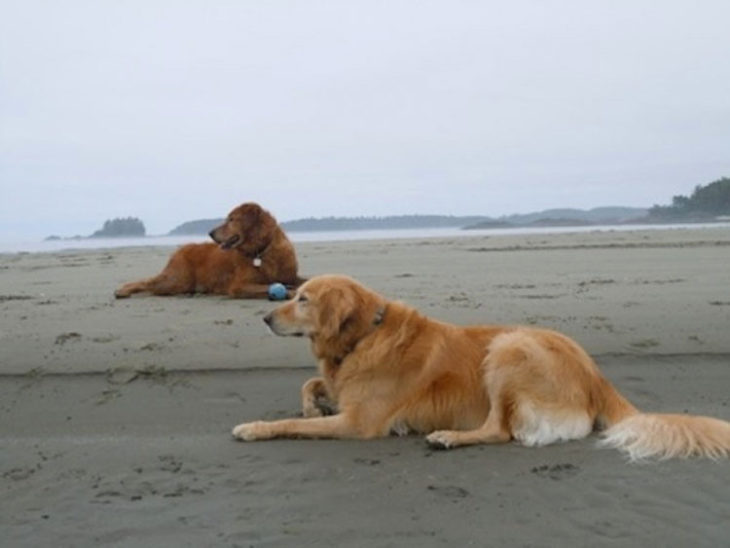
(250, 252)
(386, 368)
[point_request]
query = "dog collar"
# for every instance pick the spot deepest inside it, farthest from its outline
(379, 316)
(257, 258)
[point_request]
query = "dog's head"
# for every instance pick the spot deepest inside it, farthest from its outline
(329, 308)
(249, 228)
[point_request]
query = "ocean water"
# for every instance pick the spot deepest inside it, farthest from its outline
(9, 246)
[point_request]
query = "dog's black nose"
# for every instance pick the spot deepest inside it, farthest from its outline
(268, 318)
(211, 234)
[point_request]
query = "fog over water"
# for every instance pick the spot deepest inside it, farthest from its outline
(26, 246)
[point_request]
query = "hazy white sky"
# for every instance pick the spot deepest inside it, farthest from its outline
(177, 110)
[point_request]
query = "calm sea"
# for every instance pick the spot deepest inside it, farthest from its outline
(328, 236)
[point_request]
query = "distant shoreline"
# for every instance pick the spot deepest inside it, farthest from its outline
(41, 246)
(484, 225)
(549, 217)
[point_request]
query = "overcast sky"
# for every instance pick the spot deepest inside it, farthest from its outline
(178, 110)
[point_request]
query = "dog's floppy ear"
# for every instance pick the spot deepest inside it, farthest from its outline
(335, 308)
(266, 223)
(260, 223)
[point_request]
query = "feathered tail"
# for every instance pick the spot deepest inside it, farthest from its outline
(661, 436)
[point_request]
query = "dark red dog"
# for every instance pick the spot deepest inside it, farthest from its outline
(251, 252)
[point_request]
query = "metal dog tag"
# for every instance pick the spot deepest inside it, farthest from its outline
(257, 262)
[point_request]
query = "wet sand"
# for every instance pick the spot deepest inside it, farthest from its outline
(116, 415)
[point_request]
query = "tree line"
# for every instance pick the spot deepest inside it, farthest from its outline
(126, 226)
(705, 201)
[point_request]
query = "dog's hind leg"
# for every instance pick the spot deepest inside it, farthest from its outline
(539, 389)
(493, 430)
(131, 288)
(162, 284)
(177, 277)
(496, 427)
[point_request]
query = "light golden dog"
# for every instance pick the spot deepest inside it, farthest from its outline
(250, 252)
(388, 369)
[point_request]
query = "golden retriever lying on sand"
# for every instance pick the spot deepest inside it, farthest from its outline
(250, 252)
(387, 368)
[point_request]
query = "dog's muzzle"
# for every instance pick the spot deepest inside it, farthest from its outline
(278, 329)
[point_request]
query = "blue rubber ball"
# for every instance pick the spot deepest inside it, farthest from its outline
(277, 292)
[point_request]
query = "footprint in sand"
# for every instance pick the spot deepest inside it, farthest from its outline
(556, 471)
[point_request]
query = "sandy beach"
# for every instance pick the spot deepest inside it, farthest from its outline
(115, 416)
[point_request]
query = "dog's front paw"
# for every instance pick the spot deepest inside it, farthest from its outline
(311, 410)
(252, 431)
(441, 439)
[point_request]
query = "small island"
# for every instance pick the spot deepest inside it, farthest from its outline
(126, 227)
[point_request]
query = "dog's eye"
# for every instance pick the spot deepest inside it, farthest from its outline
(302, 299)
